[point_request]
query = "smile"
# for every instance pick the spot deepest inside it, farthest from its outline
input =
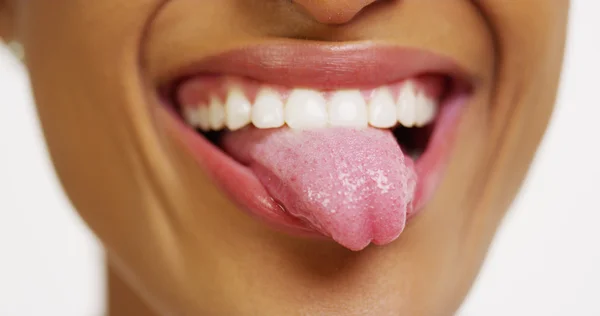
(344, 141)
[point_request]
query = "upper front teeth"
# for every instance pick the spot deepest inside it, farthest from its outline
(348, 108)
(306, 108)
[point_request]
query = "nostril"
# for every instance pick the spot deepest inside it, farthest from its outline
(333, 11)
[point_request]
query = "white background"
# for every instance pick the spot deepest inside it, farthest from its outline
(545, 261)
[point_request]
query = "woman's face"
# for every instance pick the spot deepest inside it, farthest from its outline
(272, 215)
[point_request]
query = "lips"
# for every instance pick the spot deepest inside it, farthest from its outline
(339, 141)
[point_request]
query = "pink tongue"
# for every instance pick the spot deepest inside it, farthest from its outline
(355, 186)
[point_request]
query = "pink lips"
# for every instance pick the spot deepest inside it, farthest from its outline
(259, 180)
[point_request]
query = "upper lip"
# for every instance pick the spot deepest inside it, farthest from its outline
(324, 65)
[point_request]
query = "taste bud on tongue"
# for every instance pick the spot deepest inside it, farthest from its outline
(353, 185)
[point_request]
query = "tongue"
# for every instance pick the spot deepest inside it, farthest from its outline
(355, 186)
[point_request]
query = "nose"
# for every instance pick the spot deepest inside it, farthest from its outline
(334, 11)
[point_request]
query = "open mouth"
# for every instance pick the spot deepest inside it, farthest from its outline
(215, 105)
(346, 143)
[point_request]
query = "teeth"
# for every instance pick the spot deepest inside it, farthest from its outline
(204, 118)
(348, 109)
(237, 109)
(268, 110)
(306, 109)
(216, 114)
(406, 105)
(426, 110)
(192, 117)
(382, 109)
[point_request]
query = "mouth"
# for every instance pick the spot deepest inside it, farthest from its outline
(344, 141)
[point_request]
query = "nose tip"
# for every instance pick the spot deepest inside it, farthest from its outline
(334, 11)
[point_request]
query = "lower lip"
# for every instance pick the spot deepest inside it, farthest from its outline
(244, 189)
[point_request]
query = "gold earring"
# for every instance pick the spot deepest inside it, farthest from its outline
(17, 50)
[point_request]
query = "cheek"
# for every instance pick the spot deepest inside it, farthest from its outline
(84, 72)
(530, 52)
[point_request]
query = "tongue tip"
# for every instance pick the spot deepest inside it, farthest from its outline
(353, 243)
(358, 246)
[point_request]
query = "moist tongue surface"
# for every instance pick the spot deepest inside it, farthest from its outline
(355, 186)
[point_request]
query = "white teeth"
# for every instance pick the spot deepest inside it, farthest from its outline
(204, 118)
(268, 110)
(348, 109)
(426, 110)
(306, 109)
(216, 113)
(237, 109)
(192, 117)
(406, 106)
(382, 109)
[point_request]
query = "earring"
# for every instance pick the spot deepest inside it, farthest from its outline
(17, 50)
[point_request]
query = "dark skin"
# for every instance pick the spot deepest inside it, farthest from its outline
(94, 67)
